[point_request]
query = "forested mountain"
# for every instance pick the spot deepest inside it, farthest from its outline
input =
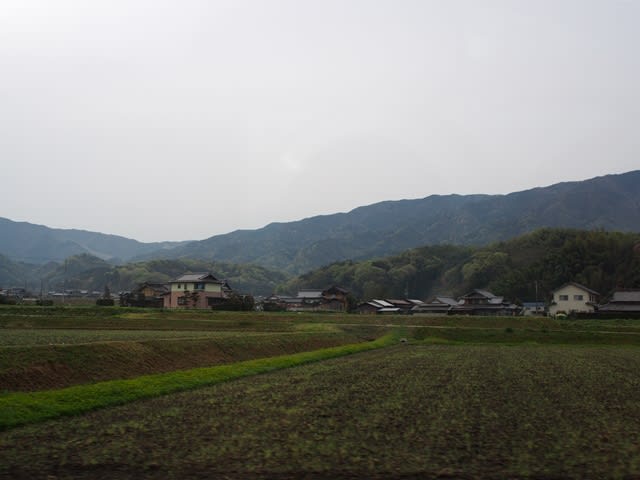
(611, 203)
(86, 272)
(515, 268)
(22, 241)
(542, 261)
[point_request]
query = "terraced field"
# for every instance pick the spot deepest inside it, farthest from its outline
(43, 351)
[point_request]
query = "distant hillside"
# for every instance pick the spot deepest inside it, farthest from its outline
(14, 274)
(86, 272)
(544, 259)
(22, 241)
(610, 203)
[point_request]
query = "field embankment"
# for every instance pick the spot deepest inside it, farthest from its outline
(42, 349)
(22, 408)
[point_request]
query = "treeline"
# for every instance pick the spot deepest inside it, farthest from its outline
(86, 272)
(524, 268)
(245, 278)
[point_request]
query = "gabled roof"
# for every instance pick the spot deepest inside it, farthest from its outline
(415, 301)
(335, 289)
(310, 293)
(382, 303)
(442, 300)
(159, 288)
(399, 302)
(626, 296)
(446, 300)
(204, 277)
(577, 285)
(479, 293)
(371, 304)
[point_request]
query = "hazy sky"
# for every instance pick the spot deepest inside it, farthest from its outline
(181, 119)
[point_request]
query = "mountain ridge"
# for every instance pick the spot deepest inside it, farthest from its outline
(33, 243)
(610, 202)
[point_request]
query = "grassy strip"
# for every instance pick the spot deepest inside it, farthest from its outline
(23, 408)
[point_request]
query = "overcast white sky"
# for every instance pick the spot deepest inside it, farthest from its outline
(181, 119)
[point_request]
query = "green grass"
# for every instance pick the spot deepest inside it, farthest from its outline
(21, 408)
(43, 363)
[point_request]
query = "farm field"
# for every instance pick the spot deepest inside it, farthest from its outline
(408, 411)
(45, 349)
(469, 397)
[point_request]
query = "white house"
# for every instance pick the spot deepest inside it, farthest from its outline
(573, 298)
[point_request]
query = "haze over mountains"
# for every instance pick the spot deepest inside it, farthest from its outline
(26, 242)
(611, 202)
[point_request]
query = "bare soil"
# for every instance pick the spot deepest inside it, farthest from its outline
(404, 412)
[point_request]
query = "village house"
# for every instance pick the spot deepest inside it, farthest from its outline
(378, 306)
(483, 302)
(573, 298)
(623, 304)
(404, 304)
(196, 290)
(145, 295)
(477, 302)
(438, 305)
(332, 299)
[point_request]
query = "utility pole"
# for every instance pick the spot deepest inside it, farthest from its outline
(64, 282)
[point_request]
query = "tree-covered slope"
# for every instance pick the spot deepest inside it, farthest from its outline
(86, 272)
(611, 203)
(518, 268)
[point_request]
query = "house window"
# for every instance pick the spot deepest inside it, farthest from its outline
(198, 286)
(578, 297)
(182, 301)
(563, 298)
(179, 286)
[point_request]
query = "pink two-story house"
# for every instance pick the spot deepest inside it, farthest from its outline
(196, 290)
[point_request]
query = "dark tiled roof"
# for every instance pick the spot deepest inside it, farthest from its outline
(477, 291)
(626, 296)
(197, 277)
